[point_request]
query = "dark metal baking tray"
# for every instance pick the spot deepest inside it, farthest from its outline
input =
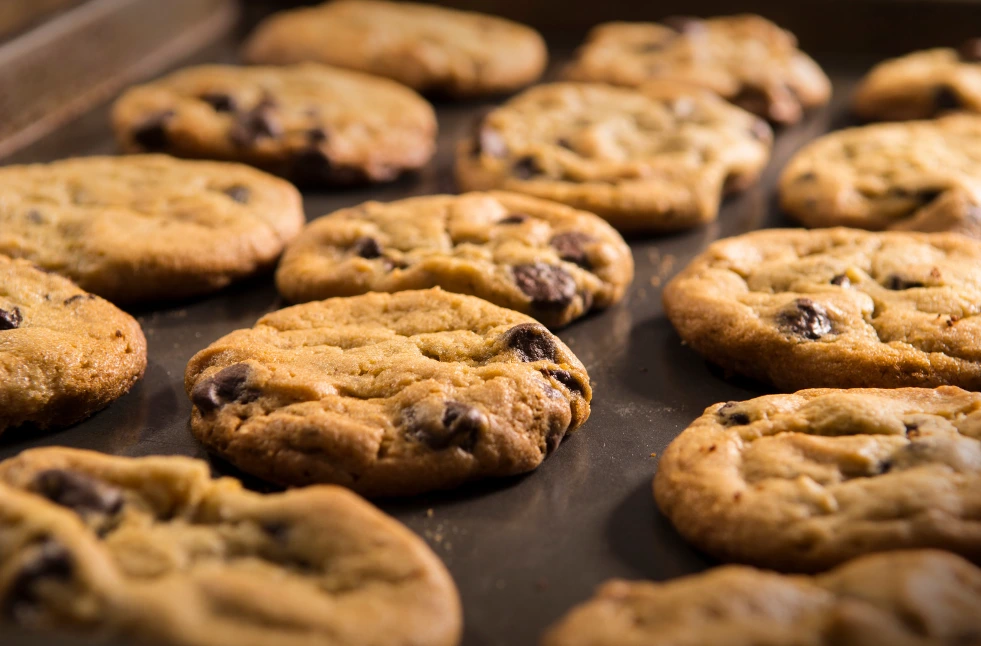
(522, 550)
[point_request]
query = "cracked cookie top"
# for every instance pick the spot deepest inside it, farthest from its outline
(541, 258)
(805, 481)
(389, 394)
(428, 48)
(835, 307)
(313, 124)
(146, 227)
(745, 59)
(155, 550)
(914, 598)
(657, 158)
(915, 176)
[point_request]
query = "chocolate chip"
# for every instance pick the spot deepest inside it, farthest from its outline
(526, 168)
(684, 24)
(239, 193)
(566, 378)
(224, 387)
(10, 319)
(78, 297)
(571, 247)
(219, 101)
(732, 417)
(531, 342)
(514, 218)
(553, 439)
(366, 247)
(946, 98)
(808, 320)
(545, 285)
(35, 216)
(970, 51)
(48, 561)
(463, 423)
(77, 491)
(151, 134)
(316, 135)
(488, 141)
(841, 280)
(256, 124)
(313, 167)
(899, 283)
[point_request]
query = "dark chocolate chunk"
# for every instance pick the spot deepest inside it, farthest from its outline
(151, 134)
(463, 424)
(899, 283)
(566, 378)
(545, 285)
(732, 417)
(11, 319)
(514, 218)
(48, 561)
(684, 24)
(526, 168)
(970, 51)
(78, 491)
(256, 124)
(224, 387)
(239, 193)
(219, 101)
(807, 320)
(946, 98)
(531, 342)
(366, 247)
(841, 280)
(571, 246)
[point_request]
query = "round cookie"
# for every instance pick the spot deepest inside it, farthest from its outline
(64, 353)
(543, 259)
(803, 482)
(658, 158)
(913, 598)
(428, 48)
(913, 176)
(745, 59)
(146, 227)
(313, 124)
(155, 551)
(389, 394)
(922, 84)
(835, 308)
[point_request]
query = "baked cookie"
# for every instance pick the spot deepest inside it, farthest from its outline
(64, 353)
(428, 48)
(313, 124)
(914, 176)
(657, 158)
(146, 227)
(154, 550)
(543, 259)
(805, 481)
(745, 59)
(837, 308)
(922, 84)
(913, 598)
(389, 394)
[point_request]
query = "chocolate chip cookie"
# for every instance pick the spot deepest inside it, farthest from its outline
(155, 551)
(913, 176)
(658, 158)
(313, 124)
(914, 598)
(541, 258)
(64, 353)
(805, 481)
(922, 84)
(146, 227)
(745, 59)
(389, 394)
(837, 307)
(428, 48)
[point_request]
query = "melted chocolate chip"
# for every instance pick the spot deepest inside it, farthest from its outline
(526, 168)
(256, 124)
(571, 247)
(684, 24)
(78, 491)
(553, 439)
(531, 342)
(732, 417)
(10, 319)
(567, 379)
(970, 51)
(224, 387)
(151, 134)
(219, 101)
(463, 424)
(841, 280)
(48, 561)
(546, 285)
(807, 320)
(514, 218)
(366, 247)
(899, 283)
(239, 193)
(946, 98)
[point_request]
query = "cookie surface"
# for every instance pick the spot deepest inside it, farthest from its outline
(154, 550)
(922, 84)
(745, 59)
(803, 482)
(914, 598)
(657, 158)
(146, 227)
(913, 176)
(389, 394)
(313, 124)
(835, 308)
(540, 258)
(428, 48)
(64, 353)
